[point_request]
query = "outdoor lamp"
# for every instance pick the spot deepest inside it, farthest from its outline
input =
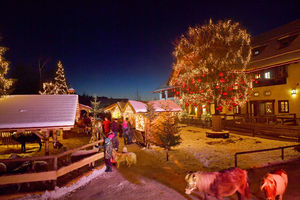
(293, 92)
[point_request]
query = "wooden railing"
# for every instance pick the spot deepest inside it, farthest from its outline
(54, 172)
(262, 150)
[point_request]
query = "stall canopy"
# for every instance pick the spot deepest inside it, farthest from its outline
(158, 105)
(37, 111)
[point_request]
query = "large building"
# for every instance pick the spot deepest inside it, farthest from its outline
(276, 65)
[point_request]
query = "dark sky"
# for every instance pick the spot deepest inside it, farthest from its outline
(112, 48)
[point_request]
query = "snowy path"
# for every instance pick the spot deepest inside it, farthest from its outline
(113, 185)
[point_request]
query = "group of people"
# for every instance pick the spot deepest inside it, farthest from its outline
(110, 134)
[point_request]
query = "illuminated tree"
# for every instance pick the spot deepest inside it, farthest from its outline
(59, 86)
(60, 79)
(5, 83)
(166, 131)
(95, 107)
(210, 65)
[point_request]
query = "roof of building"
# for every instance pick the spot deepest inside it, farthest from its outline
(158, 105)
(163, 86)
(120, 104)
(37, 111)
(270, 49)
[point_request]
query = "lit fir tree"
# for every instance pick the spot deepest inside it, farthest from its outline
(95, 107)
(5, 83)
(60, 79)
(210, 65)
(59, 86)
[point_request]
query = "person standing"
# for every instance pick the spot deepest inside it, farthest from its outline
(130, 132)
(125, 131)
(106, 125)
(108, 148)
(115, 130)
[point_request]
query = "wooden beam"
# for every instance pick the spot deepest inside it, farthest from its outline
(30, 177)
(64, 170)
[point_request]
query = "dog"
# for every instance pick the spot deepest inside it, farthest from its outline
(129, 158)
(274, 184)
(219, 184)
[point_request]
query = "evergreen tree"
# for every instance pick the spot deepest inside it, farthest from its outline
(167, 131)
(60, 79)
(95, 107)
(5, 83)
(59, 86)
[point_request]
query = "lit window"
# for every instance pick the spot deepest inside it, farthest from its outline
(267, 75)
(257, 76)
(256, 51)
(283, 106)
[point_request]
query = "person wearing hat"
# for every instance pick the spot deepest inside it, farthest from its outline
(108, 148)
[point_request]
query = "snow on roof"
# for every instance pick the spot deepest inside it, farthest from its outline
(138, 106)
(159, 106)
(37, 111)
(165, 105)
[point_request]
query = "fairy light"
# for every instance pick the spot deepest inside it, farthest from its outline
(210, 65)
(5, 84)
(59, 86)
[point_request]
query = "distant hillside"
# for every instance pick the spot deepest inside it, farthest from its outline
(104, 101)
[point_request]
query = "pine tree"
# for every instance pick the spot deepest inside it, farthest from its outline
(59, 86)
(60, 79)
(95, 107)
(167, 131)
(5, 84)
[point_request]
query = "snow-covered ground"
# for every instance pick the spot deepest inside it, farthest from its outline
(217, 153)
(196, 152)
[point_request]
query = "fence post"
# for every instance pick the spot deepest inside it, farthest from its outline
(282, 153)
(235, 160)
(54, 168)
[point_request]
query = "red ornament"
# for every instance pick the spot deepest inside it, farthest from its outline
(183, 85)
(225, 93)
(203, 75)
(217, 86)
(193, 81)
(177, 93)
(222, 80)
(199, 80)
(221, 74)
(202, 90)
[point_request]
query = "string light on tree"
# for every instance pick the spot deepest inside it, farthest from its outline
(210, 65)
(5, 83)
(60, 85)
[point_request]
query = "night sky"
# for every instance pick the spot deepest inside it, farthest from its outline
(112, 48)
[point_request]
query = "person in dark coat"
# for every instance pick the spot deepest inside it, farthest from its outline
(108, 148)
(130, 132)
(115, 130)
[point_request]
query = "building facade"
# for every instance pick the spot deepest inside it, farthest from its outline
(275, 64)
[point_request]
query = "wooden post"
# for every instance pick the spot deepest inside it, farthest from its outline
(235, 160)
(47, 143)
(54, 168)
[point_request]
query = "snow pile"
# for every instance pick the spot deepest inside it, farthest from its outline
(60, 192)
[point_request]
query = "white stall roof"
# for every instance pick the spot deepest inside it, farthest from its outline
(165, 105)
(37, 111)
(138, 106)
(159, 106)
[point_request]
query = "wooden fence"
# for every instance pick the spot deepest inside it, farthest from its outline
(56, 169)
(263, 150)
(274, 130)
